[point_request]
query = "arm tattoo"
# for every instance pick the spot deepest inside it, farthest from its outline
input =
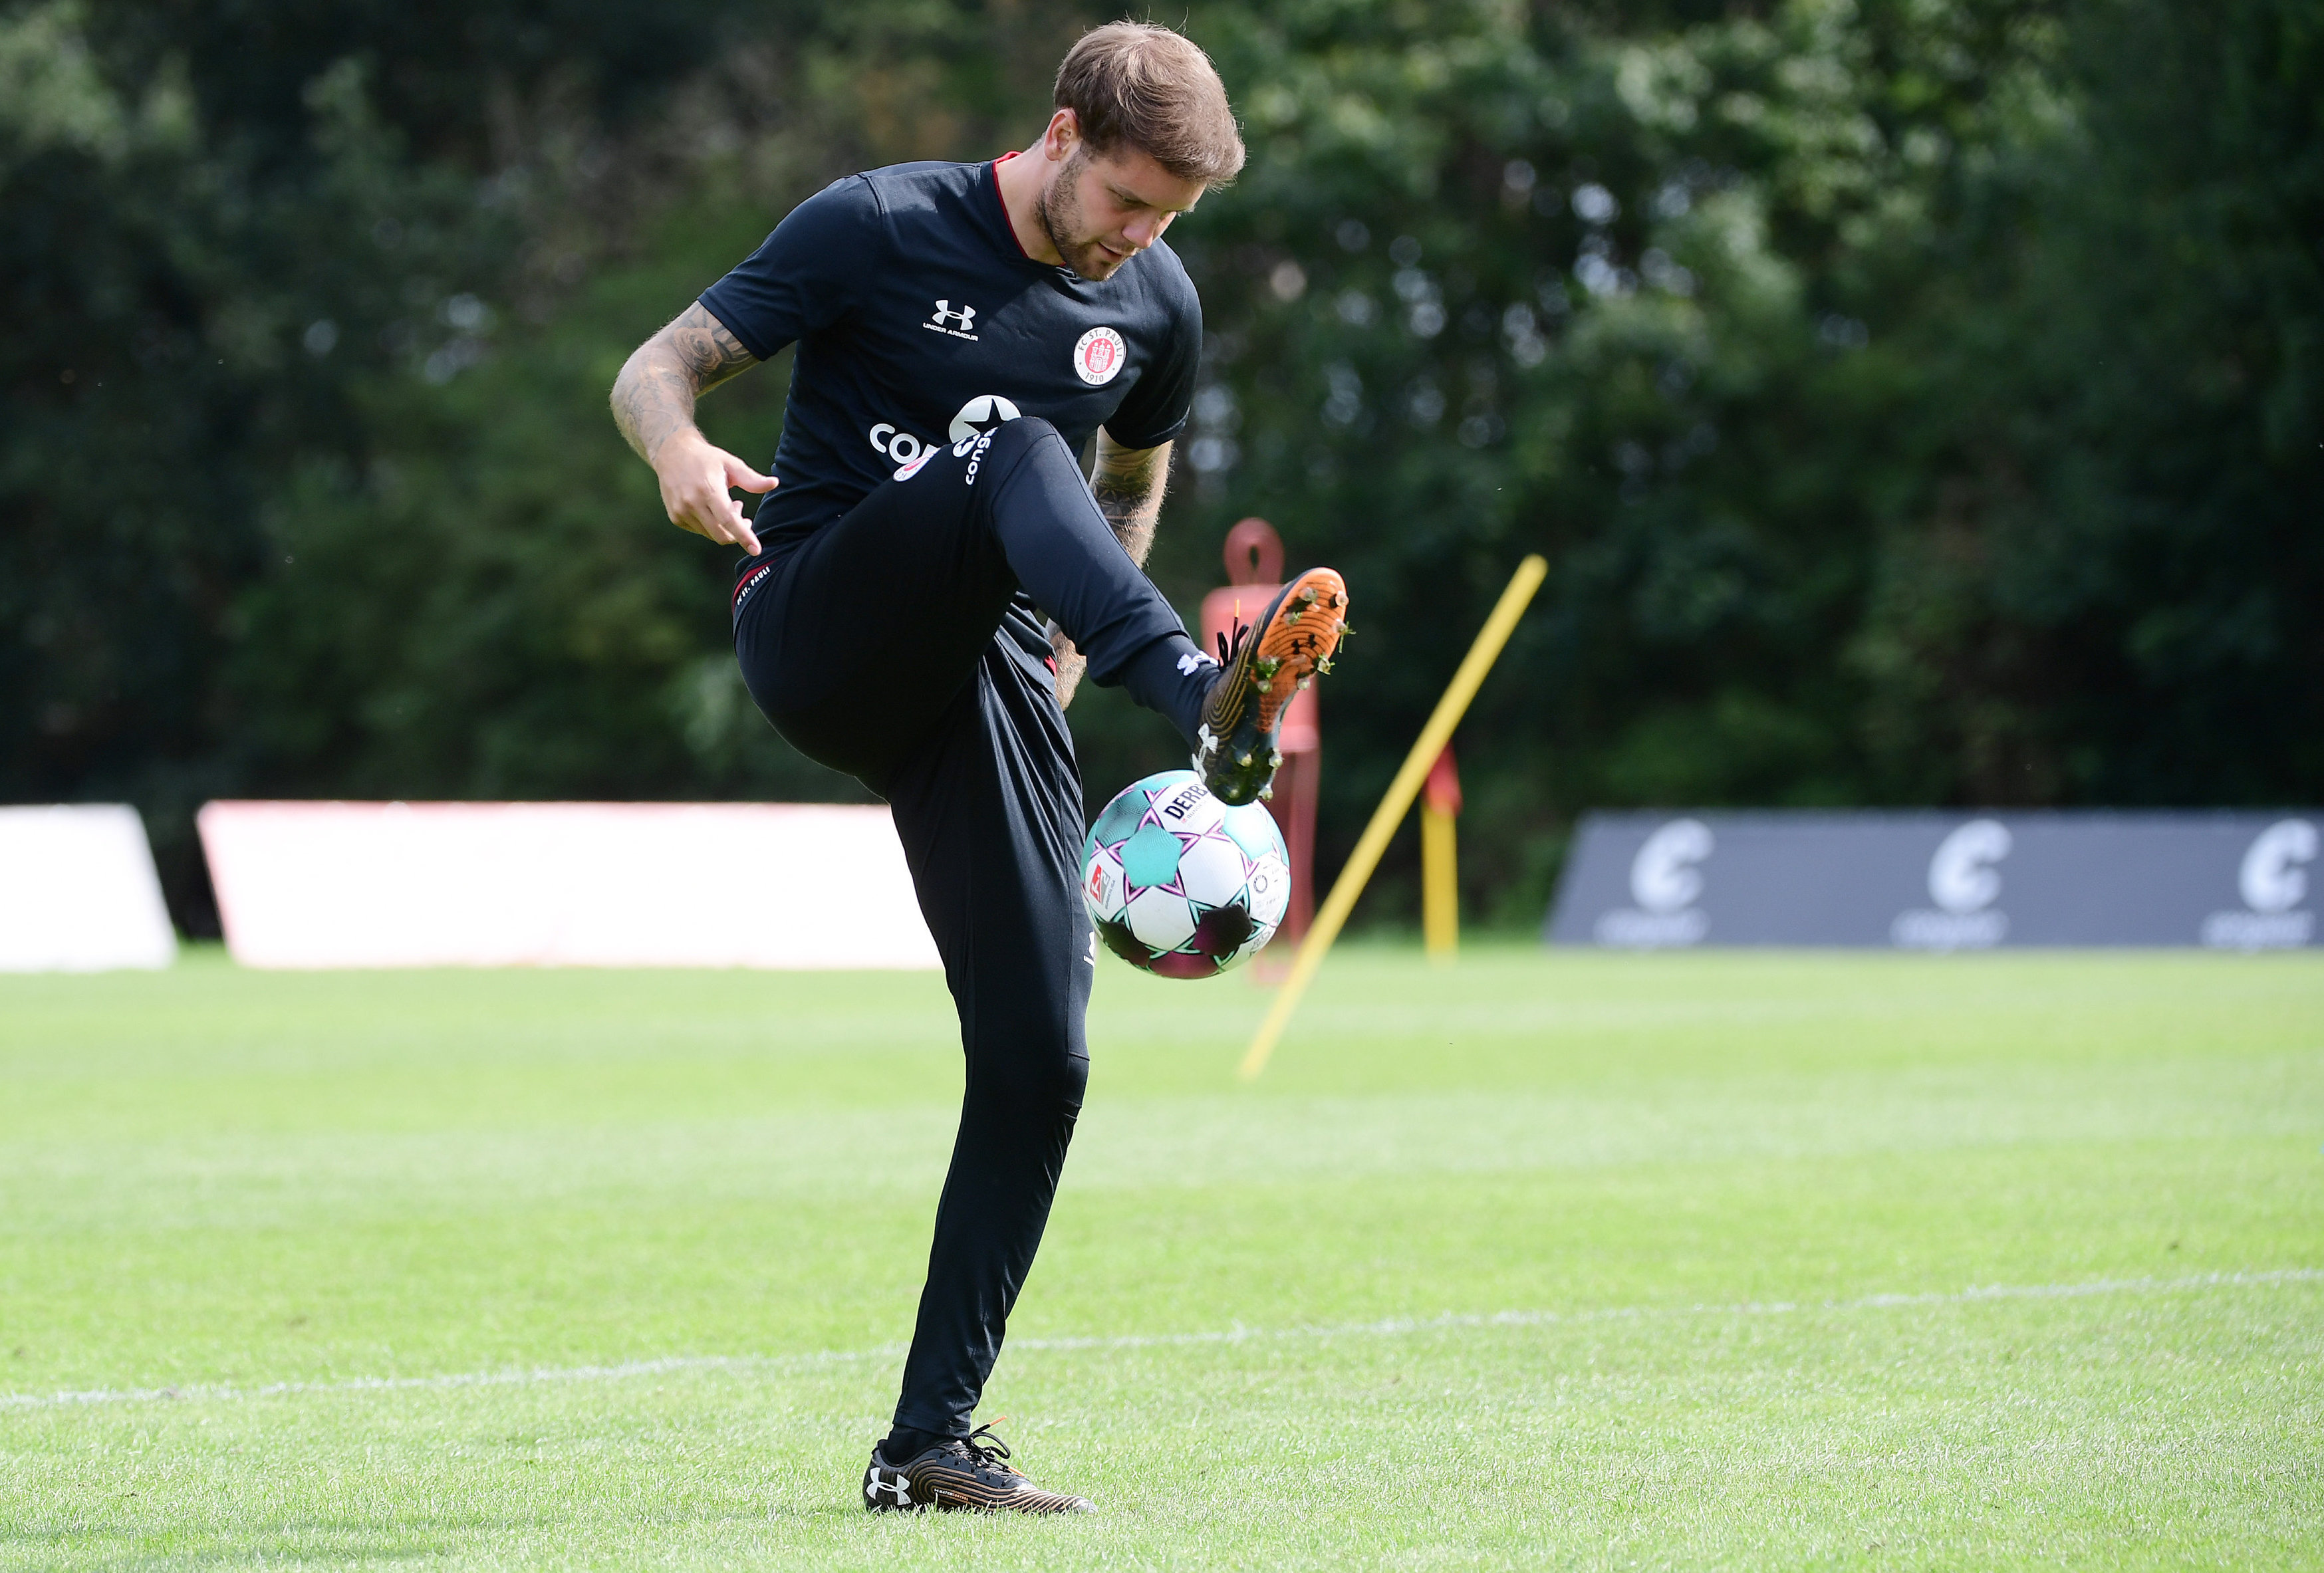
(1128, 486)
(655, 393)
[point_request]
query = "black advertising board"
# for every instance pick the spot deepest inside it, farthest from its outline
(1940, 881)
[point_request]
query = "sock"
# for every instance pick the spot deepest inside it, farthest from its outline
(1172, 677)
(904, 1444)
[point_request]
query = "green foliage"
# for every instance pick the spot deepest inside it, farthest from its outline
(520, 627)
(1917, 401)
(1831, 353)
(2114, 595)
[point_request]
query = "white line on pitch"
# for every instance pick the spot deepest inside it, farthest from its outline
(1397, 1326)
(1394, 1327)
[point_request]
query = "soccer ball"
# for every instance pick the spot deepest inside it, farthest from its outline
(1181, 883)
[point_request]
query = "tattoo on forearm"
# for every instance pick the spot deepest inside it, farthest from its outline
(1127, 484)
(654, 395)
(650, 401)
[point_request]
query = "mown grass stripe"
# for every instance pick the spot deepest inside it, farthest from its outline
(1393, 1327)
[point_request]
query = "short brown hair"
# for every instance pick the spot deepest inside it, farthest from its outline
(1132, 82)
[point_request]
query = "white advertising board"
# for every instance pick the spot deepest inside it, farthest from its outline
(307, 884)
(78, 892)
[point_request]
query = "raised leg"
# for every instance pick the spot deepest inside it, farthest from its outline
(856, 640)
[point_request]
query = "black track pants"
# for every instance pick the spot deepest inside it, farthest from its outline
(895, 645)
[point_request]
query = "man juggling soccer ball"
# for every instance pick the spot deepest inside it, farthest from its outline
(962, 329)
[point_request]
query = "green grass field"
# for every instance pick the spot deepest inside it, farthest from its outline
(1548, 1260)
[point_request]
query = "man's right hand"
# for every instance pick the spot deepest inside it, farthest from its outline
(697, 481)
(653, 404)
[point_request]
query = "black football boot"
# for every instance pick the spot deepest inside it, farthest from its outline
(961, 1475)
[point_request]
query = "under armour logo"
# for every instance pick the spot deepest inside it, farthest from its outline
(962, 322)
(1192, 661)
(898, 1486)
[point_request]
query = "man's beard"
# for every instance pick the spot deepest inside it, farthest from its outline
(1059, 209)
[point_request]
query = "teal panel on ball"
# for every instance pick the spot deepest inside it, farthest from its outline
(1121, 816)
(1254, 830)
(1150, 857)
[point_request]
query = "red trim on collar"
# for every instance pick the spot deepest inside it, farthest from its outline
(1007, 223)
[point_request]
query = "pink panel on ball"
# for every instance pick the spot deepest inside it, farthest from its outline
(1179, 965)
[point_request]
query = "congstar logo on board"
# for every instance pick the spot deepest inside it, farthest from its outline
(2273, 880)
(1964, 881)
(1666, 879)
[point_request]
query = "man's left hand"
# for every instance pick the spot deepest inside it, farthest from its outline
(1069, 665)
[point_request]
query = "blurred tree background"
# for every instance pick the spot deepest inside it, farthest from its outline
(1918, 400)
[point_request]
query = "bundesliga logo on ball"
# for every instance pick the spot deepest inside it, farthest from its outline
(1181, 883)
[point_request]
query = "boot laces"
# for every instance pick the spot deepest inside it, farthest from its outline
(986, 1451)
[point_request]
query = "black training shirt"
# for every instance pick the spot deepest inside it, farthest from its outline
(920, 321)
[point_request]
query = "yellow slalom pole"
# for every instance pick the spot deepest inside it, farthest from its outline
(1394, 807)
(1440, 885)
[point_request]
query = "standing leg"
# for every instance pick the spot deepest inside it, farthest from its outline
(896, 644)
(990, 813)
